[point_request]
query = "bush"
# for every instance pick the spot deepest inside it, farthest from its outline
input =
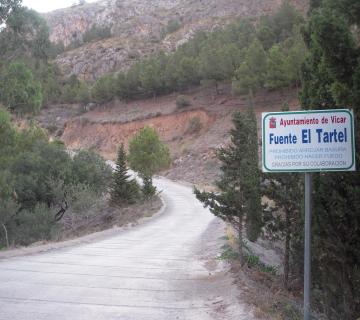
(194, 125)
(124, 190)
(103, 89)
(33, 225)
(19, 91)
(182, 101)
(148, 155)
(96, 33)
(173, 25)
(89, 168)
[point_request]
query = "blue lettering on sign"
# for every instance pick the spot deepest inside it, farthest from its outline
(306, 136)
(289, 139)
(331, 136)
(335, 136)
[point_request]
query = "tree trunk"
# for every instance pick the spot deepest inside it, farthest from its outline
(6, 236)
(251, 98)
(217, 87)
(287, 249)
(240, 235)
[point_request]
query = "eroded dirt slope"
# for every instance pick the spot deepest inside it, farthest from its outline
(193, 133)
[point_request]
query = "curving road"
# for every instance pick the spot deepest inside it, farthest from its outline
(162, 269)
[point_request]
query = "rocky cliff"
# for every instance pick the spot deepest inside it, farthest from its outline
(139, 27)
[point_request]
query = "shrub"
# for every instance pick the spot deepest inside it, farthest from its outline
(182, 101)
(19, 90)
(194, 125)
(103, 89)
(173, 25)
(96, 33)
(89, 168)
(33, 225)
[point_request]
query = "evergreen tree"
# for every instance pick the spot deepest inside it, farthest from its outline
(123, 190)
(238, 178)
(277, 75)
(331, 79)
(19, 91)
(254, 221)
(295, 56)
(26, 35)
(284, 221)
(250, 76)
(104, 89)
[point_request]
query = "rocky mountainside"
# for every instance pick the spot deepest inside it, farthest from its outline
(141, 27)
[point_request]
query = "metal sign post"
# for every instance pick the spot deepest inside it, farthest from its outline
(307, 248)
(308, 141)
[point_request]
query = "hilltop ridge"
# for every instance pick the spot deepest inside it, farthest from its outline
(138, 28)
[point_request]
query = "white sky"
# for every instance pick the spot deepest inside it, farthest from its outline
(49, 5)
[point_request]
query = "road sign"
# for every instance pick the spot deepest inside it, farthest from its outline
(308, 141)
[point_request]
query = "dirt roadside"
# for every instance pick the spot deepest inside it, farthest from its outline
(143, 214)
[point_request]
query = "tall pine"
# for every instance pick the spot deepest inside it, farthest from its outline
(123, 190)
(254, 221)
(284, 220)
(238, 193)
(331, 79)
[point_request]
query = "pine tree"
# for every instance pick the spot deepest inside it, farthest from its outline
(331, 79)
(123, 190)
(238, 178)
(284, 221)
(253, 195)
(250, 76)
(277, 75)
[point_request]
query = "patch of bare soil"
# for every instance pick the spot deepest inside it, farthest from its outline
(266, 293)
(193, 133)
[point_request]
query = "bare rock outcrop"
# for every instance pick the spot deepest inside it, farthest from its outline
(137, 28)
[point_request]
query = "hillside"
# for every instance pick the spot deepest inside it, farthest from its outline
(139, 28)
(193, 133)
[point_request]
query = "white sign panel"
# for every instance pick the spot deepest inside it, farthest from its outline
(306, 141)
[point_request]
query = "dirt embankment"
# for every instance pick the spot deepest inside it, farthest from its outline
(192, 133)
(107, 136)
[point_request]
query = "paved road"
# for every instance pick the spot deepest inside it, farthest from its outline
(160, 270)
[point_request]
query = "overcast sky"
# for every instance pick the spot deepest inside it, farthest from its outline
(49, 5)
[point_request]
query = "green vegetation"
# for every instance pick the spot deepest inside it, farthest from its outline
(266, 56)
(103, 89)
(6, 6)
(95, 33)
(194, 125)
(240, 53)
(332, 80)
(182, 101)
(173, 25)
(284, 221)
(19, 91)
(238, 199)
(123, 189)
(148, 155)
(251, 260)
(39, 182)
(28, 81)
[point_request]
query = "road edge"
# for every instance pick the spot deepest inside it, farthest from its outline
(89, 238)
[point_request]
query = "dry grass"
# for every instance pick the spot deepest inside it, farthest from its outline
(105, 217)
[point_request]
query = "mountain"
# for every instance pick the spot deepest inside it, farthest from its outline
(138, 28)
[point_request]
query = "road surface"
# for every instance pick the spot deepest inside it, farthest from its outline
(163, 269)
